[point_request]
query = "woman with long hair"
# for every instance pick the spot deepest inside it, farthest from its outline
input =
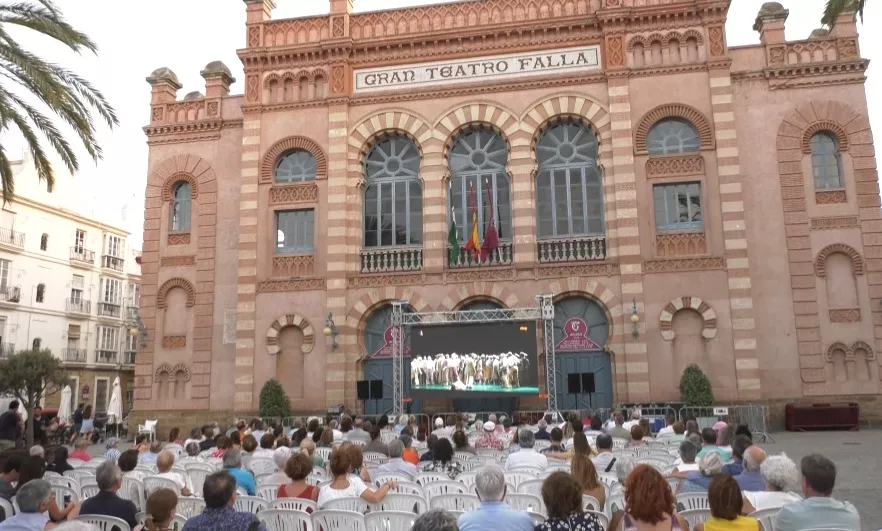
(59, 463)
(174, 436)
(327, 438)
(161, 506)
(33, 468)
(649, 503)
(442, 459)
(88, 424)
(582, 468)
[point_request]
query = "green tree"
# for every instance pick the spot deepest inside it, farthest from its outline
(30, 375)
(695, 387)
(834, 8)
(66, 94)
(273, 400)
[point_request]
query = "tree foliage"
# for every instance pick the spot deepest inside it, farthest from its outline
(274, 401)
(695, 387)
(69, 96)
(834, 8)
(29, 375)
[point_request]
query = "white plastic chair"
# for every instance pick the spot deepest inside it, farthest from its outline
(324, 453)
(590, 503)
(467, 478)
(389, 521)
(133, 489)
(64, 481)
(153, 483)
(375, 457)
(262, 465)
(673, 482)
(292, 504)
(332, 520)
(176, 449)
(401, 502)
(149, 427)
(104, 523)
(349, 503)
(76, 463)
(8, 511)
(690, 500)
(62, 491)
(250, 504)
(537, 518)
(525, 502)
(534, 487)
(189, 506)
(437, 488)
(455, 502)
(604, 520)
(516, 478)
(87, 491)
(766, 518)
(197, 477)
(424, 478)
(695, 516)
(77, 474)
(463, 456)
(267, 491)
(615, 502)
(285, 520)
(383, 478)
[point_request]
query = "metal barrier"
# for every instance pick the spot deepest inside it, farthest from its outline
(483, 416)
(754, 416)
(532, 417)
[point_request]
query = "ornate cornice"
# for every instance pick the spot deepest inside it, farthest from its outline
(816, 74)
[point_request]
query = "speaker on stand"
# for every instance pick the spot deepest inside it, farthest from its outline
(588, 387)
(364, 393)
(574, 387)
(376, 392)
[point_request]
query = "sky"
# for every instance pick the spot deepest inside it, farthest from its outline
(185, 35)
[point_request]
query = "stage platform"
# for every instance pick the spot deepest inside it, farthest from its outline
(479, 388)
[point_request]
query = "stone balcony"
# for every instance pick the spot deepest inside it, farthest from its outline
(78, 307)
(502, 255)
(81, 257)
(391, 259)
(73, 355)
(572, 249)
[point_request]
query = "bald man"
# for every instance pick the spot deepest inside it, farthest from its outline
(750, 479)
(164, 463)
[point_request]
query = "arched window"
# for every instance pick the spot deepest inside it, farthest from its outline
(569, 189)
(478, 161)
(673, 136)
(296, 166)
(826, 161)
(180, 207)
(393, 195)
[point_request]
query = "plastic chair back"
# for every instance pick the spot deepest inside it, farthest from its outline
(350, 503)
(104, 523)
(401, 502)
(6, 507)
(189, 506)
(332, 520)
(389, 521)
(695, 516)
(436, 488)
(285, 520)
(534, 487)
(537, 518)
(262, 465)
(250, 504)
(455, 502)
(689, 501)
(87, 491)
(525, 502)
(590, 503)
(293, 504)
(766, 518)
(132, 489)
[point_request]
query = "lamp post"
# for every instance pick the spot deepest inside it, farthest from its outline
(139, 330)
(635, 320)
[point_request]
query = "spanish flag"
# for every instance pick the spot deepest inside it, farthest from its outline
(474, 242)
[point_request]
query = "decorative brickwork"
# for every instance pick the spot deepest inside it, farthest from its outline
(673, 110)
(167, 188)
(830, 197)
(693, 303)
(272, 155)
(295, 320)
(851, 315)
(177, 261)
(834, 222)
(674, 166)
(824, 126)
(294, 266)
(171, 284)
(857, 264)
(174, 342)
(680, 244)
(294, 194)
(179, 238)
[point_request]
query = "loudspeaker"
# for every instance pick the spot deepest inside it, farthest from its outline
(588, 382)
(363, 389)
(376, 389)
(574, 384)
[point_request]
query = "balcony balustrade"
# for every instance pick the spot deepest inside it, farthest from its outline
(73, 355)
(572, 249)
(391, 259)
(502, 255)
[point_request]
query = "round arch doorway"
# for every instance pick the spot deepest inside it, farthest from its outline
(583, 370)
(378, 365)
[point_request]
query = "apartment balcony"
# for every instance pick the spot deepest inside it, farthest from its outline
(502, 255)
(131, 313)
(129, 357)
(10, 295)
(83, 258)
(113, 263)
(107, 357)
(391, 259)
(11, 240)
(6, 350)
(109, 309)
(78, 307)
(572, 249)
(73, 355)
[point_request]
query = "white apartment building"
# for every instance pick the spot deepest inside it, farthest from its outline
(71, 284)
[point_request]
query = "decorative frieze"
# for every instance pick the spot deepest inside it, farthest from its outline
(294, 266)
(177, 261)
(680, 244)
(174, 342)
(179, 238)
(276, 286)
(834, 222)
(686, 264)
(292, 194)
(675, 166)
(830, 197)
(847, 315)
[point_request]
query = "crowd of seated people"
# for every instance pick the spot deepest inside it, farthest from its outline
(577, 461)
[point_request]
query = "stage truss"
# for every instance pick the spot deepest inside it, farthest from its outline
(402, 318)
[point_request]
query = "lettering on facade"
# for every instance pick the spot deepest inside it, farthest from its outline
(567, 60)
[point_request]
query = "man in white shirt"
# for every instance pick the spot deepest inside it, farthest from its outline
(527, 455)
(440, 430)
(635, 419)
(669, 427)
(164, 462)
(397, 465)
(335, 427)
(604, 460)
(358, 433)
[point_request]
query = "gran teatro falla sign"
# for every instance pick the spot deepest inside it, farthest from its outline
(576, 60)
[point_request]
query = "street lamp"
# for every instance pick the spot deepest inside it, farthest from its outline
(635, 320)
(330, 330)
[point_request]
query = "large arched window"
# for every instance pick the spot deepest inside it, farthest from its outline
(296, 166)
(569, 189)
(393, 195)
(180, 207)
(826, 161)
(477, 162)
(673, 136)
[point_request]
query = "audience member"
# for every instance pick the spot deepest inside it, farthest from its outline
(37, 451)
(308, 447)
(161, 507)
(582, 469)
(219, 492)
(709, 465)
(635, 420)
(688, 452)
(743, 429)
(435, 520)
(267, 440)
(649, 502)
(624, 467)
(358, 433)
(596, 424)
(33, 468)
(493, 514)
(489, 440)
(692, 427)
(377, 445)
(527, 456)
(431, 441)
(636, 437)
(410, 455)
(679, 433)
(619, 431)
(298, 469)
(669, 426)
(233, 466)
(106, 502)
(174, 436)
(88, 424)
(11, 469)
(750, 478)
(461, 442)
(739, 445)
(164, 463)
(562, 495)
(128, 460)
(556, 446)
(781, 478)
(402, 423)
(249, 444)
(149, 458)
(356, 461)
(709, 444)
(819, 508)
(442, 460)
(59, 463)
(726, 505)
(195, 437)
(111, 450)
(281, 455)
(542, 431)
(396, 464)
(35, 500)
(208, 442)
(604, 460)
(344, 485)
(81, 451)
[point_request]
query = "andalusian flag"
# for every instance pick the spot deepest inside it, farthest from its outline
(453, 240)
(474, 242)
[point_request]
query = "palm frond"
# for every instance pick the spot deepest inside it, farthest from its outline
(835, 8)
(6, 177)
(41, 161)
(44, 21)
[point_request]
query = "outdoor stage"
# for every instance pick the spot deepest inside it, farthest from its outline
(479, 388)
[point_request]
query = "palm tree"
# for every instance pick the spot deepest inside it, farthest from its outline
(67, 95)
(835, 8)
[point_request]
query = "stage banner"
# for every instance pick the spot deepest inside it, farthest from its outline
(386, 350)
(576, 338)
